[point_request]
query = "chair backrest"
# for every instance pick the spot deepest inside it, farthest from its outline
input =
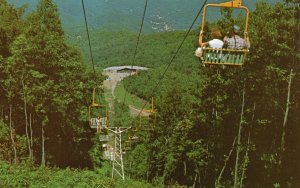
(224, 56)
(93, 122)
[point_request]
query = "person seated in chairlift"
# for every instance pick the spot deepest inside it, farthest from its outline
(98, 124)
(93, 121)
(216, 42)
(234, 41)
(103, 121)
(104, 146)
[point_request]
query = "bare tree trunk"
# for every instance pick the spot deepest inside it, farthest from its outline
(148, 170)
(12, 135)
(248, 148)
(31, 137)
(239, 142)
(26, 120)
(245, 161)
(286, 111)
(2, 112)
(226, 160)
(147, 175)
(43, 162)
(200, 184)
(184, 167)
(195, 179)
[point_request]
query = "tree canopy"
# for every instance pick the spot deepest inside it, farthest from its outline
(214, 126)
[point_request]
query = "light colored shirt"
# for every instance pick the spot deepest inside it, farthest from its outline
(215, 43)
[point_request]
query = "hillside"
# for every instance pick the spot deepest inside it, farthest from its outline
(213, 126)
(117, 48)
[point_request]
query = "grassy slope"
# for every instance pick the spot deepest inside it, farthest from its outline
(130, 99)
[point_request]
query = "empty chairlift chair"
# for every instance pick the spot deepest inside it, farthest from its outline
(98, 115)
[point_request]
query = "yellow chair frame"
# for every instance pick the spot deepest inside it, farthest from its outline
(225, 56)
(152, 107)
(96, 105)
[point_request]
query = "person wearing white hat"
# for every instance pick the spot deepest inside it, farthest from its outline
(236, 42)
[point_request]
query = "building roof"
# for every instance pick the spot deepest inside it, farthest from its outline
(118, 68)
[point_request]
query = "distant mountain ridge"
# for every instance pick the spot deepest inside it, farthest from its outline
(161, 15)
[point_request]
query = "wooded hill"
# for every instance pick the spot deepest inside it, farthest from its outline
(215, 126)
(45, 90)
(223, 127)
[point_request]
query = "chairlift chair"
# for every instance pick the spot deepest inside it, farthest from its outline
(152, 107)
(147, 123)
(98, 121)
(133, 138)
(127, 145)
(103, 138)
(225, 56)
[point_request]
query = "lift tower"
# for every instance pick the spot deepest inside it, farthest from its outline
(117, 158)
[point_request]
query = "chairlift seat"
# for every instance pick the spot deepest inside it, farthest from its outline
(127, 145)
(103, 138)
(93, 123)
(224, 56)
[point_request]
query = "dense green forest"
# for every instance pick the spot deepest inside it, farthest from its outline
(219, 127)
(213, 127)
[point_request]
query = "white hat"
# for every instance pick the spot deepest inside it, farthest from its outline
(236, 29)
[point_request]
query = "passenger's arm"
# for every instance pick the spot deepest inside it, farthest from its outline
(225, 38)
(225, 42)
(201, 38)
(204, 44)
(247, 39)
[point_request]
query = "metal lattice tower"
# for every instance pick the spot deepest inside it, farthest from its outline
(118, 167)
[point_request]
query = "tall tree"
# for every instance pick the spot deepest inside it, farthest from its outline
(11, 24)
(46, 78)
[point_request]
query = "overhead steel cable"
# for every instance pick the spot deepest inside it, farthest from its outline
(137, 43)
(89, 40)
(172, 59)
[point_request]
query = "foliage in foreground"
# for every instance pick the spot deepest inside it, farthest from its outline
(25, 176)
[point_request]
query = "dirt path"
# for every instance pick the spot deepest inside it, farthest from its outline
(135, 111)
(113, 78)
(110, 84)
